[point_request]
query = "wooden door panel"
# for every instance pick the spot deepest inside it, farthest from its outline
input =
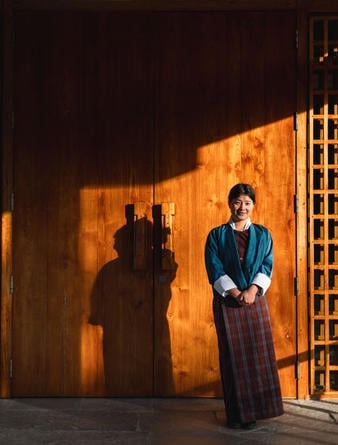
(194, 86)
(226, 102)
(98, 98)
(279, 188)
(83, 151)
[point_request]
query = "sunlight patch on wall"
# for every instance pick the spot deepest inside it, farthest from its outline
(6, 237)
(90, 336)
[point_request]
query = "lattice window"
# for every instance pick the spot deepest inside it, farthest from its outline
(323, 204)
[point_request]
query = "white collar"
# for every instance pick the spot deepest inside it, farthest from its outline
(247, 224)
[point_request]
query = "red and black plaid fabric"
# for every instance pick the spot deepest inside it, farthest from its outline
(247, 357)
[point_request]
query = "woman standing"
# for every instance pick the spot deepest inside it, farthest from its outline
(239, 260)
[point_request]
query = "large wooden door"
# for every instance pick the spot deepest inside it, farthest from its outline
(226, 95)
(82, 320)
(129, 131)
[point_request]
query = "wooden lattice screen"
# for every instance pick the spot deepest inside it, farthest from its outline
(323, 204)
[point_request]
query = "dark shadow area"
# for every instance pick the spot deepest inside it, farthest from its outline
(164, 270)
(130, 84)
(123, 303)
(291, 360)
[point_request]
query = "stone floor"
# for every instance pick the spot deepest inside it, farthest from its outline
(158, 421)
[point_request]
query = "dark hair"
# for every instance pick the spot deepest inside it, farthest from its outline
(241, 189)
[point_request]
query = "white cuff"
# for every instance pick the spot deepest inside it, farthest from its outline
(262, 281)
(223, 284)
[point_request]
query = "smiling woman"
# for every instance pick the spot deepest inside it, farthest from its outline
(239, 261)
(241, 202)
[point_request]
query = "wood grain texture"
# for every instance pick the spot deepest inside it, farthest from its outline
(162, 5)
(6, 192)
(84, 322)
(301, 190)
(279, 175)
(314, 6)
(233, 103)
(98, 100)
(42, 293)
(192, 62)
(253, 104)
(321, 6)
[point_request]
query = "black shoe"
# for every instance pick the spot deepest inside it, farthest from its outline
(233, 424)
(249, 425)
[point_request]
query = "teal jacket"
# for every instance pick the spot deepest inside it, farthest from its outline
(221, 255)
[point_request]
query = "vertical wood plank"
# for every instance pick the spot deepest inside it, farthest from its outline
(125, 176)
(244, 117)
(279, 175)
(7, 189)
(252, 104)
(39, 295)
(89, 85)
(301, 190)
(193, 84)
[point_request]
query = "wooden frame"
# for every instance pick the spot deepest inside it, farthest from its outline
(323, 191)
(7, 187)
(155, 5)
(301, 193)
(317, 6)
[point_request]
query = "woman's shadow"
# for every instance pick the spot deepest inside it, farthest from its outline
(136, 339)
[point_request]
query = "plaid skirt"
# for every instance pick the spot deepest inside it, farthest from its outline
(247, 360)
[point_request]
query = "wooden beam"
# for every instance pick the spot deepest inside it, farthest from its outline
(7, 188)
(301, 191)
(313, 6)
(158, 5)
(323, 6)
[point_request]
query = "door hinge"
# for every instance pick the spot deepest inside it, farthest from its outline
(297, 372)
(12, 202)
(295, 203)
(297, 39)
(12, 120)
(11, 369)
(11, 285)
(296, 286)
(295, 121)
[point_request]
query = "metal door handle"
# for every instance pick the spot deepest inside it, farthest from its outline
(164, 235)
(136, 215)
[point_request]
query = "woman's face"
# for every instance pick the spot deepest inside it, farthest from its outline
(241, 208)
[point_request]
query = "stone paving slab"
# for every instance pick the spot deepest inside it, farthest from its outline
(179, 421)
(87, 404)
(313, 409)
(189, 405)
(73, 438)
(196, 439)
(51, 420)
(94, 421)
